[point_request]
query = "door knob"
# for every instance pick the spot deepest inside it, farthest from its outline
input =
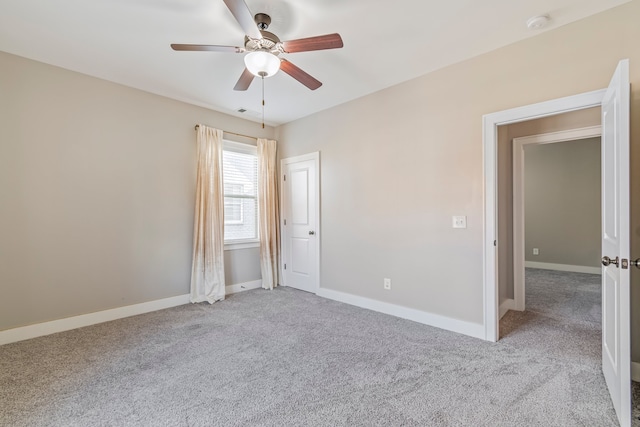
(606, 261)
(311, 233)
(635, 262)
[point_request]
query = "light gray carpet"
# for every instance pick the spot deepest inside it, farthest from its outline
(289, 358)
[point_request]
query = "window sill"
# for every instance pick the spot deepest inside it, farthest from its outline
(242, 244)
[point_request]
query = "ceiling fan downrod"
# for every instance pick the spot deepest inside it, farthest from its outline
(262, 21)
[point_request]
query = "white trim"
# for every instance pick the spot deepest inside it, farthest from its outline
(283, 247)
(563, 267)
(475, 330)
(241, 287)
(301, 158)
(561, 136)
(61, 325)
(519, 198)
(635, 371)
(315, 157)
(508, 304)
(54, 326)
(490, 123)
(233, 246)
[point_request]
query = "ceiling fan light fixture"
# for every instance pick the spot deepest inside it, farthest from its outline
(262, 63)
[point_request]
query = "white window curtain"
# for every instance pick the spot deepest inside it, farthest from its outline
(207, 274)
(268, 212)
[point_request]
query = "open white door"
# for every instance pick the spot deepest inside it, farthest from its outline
(616, 348)
(300, 212)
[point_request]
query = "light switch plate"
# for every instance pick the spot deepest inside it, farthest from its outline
(459, 221)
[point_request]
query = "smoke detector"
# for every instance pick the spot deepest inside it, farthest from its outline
(538, 22)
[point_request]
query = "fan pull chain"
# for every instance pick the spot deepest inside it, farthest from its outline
(262, 102)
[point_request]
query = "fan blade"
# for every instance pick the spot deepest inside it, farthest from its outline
(299, 75)
(329, 41)
(207, 47)
(244, 81)
(243, 15)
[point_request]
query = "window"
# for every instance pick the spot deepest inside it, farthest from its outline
(233, 209)
(240, 181)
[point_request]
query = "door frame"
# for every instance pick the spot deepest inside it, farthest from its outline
(519, 197)
(315, 157)
(490, 123)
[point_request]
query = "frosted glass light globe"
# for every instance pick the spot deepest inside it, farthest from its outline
(261, 63)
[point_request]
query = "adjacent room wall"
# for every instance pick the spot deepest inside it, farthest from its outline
(397, 164)
(505, 214)
(562, 202)
(97, 186)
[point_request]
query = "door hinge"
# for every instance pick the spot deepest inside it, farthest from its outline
(495, 243)
(285, 222)
(284, 177)
(285, 266)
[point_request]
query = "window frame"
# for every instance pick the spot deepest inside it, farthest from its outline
(238, 147)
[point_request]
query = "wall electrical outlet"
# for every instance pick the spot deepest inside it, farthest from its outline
(536, 251)
(387, 284)
(459, 221)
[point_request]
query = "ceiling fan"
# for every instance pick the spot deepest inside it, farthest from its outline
(264, 47)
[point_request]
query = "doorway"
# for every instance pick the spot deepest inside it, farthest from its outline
(556, 229)
(556, 190)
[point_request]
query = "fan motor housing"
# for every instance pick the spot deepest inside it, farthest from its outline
(268, 42)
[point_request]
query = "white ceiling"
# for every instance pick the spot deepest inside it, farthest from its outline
(385, 43)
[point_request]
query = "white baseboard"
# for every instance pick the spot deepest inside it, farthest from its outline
(46, 328)
(61, 325)
(563, 267)
(240, 287)
(475, 330)
(506, 305)
(635, 371)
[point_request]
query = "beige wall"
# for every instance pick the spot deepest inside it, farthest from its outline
(562, 202)
(560, 122)
(396, 165)
(97, 185)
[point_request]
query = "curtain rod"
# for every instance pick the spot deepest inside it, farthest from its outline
(233, 133)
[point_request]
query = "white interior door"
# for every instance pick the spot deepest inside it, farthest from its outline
(616, 348)
(300, 234)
